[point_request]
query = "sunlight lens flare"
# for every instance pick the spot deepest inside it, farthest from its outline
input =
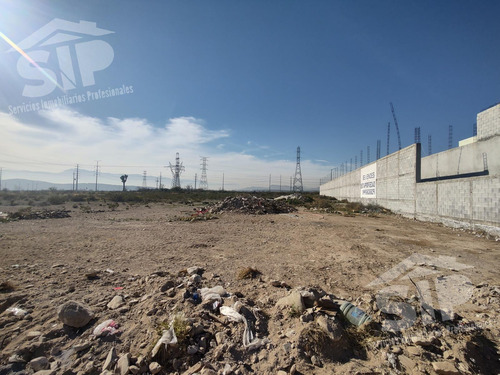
(27, 57)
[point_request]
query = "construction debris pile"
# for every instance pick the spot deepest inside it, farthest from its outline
(252, 205)
(193, 323)
(29, 214)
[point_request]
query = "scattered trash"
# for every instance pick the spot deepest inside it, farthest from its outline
(212, 294)
(17, 311)
(108, 327)
(354, 315)
(249, 340)
(118, 288)
(252, 205)
(167, 339)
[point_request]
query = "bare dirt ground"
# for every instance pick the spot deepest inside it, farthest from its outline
(136, 250)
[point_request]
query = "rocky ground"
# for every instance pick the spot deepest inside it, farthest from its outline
(170, 288)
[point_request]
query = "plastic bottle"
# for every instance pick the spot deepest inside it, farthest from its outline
(353, 314)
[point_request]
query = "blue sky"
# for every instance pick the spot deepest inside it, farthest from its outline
(246, 82)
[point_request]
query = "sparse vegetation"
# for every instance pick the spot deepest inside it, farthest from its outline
(248, 273)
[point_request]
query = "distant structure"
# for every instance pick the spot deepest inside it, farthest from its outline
(417, 134)
(379, 144)
(429, 144)
(176, 169)
(124, 180)
(203, 180)
(368, 154)
(144, 180)
(397, 127)
(297, 181)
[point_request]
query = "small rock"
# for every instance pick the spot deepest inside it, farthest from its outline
(168, 285)
(293, 301)
(397, 350)
(316, 361)
(134, 370)
(281, 372)
(192, 349)
(448, 354)
(32, 334)
(445, 368)
(116, 302)
(110, 360)
(407, 363)
(307, 317)
(422, 341)
(81, 347)
(154, 368)
(39, 363)
(74, 314)
(15, 358)
(45, 372)
(123, 364)
(194, 270)
(293, 369)
(219, 338)
(208, 371)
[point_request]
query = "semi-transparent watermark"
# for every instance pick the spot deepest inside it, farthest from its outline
(423, 287)
(60, 64)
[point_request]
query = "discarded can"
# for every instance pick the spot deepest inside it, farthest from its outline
(353, 314)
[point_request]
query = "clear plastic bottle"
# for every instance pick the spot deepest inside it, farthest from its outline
(353, 314)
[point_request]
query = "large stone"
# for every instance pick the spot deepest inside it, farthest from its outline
(74, 314)
(445, 368)
(39, 363)
(293, 301)
(116, 302)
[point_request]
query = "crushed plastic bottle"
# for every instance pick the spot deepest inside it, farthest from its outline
(354, 315)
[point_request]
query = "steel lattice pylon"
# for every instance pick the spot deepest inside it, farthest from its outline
(297, 181)
(203, 180)
(176, 169)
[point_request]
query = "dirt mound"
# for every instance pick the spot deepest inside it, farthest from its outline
(252, 205)
(28, 214)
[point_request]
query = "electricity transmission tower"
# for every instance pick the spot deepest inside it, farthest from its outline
(144, 180)
(297, 181)
(397, 127)
(96, 173)
(176, 169)
(203, 179)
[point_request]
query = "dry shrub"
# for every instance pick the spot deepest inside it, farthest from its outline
(248, 273)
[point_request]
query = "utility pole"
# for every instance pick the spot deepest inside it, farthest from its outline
(379, 143)
(280, 183)
(269, 183)
(195, 180)
(290, 183)
(76, 184)
(222, 181)
(161, 187)
(96, 174)
(0, 179)
(73, 189)
(144, 180)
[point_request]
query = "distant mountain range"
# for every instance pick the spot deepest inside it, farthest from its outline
(17, 184)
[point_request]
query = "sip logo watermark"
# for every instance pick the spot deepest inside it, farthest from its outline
(436, 283)
(62, 54)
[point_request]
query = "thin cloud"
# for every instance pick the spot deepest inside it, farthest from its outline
(69, 137)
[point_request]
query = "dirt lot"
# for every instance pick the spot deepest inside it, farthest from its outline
(134, 251)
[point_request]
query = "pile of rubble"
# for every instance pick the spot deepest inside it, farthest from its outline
(28, 214)
(252, 205)
(191, 324)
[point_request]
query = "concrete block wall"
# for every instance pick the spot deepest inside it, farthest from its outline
(488, 123)
(396, 175)
(465, 199)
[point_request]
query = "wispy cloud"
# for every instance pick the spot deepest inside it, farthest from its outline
(65, 137)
